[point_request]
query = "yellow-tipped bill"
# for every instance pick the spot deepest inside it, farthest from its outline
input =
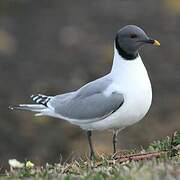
(156, 43)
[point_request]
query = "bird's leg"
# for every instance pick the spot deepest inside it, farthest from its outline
(89, 134)
(114, 142)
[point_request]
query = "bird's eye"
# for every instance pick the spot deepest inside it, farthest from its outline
(133, 36)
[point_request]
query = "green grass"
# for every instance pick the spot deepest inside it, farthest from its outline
(166, 166)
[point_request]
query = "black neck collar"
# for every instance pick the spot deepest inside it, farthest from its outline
(123, 53)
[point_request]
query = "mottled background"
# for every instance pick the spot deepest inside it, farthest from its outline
(55, 46)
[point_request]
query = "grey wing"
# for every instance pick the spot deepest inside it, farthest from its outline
(88, 103)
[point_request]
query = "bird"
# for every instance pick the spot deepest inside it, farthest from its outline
(113, 102)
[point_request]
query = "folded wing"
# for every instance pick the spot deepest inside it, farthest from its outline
(88, 103)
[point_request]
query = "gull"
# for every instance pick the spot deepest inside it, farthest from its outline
(115, 101)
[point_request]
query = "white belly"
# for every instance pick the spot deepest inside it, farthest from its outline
(133, 82)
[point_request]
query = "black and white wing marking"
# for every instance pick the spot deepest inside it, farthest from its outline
(41, 99)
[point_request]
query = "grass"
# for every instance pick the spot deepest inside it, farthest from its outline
(166, 166)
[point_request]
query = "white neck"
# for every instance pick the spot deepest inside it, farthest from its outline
(119, 61)
(116, 61)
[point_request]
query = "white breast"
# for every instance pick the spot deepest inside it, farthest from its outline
(131, 79)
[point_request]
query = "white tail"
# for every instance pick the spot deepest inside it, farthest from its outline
(30, 107)
(40, 107)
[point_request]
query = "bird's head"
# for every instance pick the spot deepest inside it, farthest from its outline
(130, 39)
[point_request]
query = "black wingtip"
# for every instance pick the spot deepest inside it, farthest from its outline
(11, 107)
(32, 96)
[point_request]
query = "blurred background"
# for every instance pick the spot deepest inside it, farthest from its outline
(52, 47)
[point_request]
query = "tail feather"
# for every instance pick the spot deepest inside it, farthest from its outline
(29, 107)
(41, 106)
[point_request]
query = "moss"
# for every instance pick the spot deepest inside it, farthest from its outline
(105, 168)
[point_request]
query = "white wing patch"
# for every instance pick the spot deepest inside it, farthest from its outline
(110, 89)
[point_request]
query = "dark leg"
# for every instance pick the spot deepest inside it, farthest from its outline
(114, 141)
(89, 134)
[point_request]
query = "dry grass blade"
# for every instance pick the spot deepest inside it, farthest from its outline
(140, 156)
